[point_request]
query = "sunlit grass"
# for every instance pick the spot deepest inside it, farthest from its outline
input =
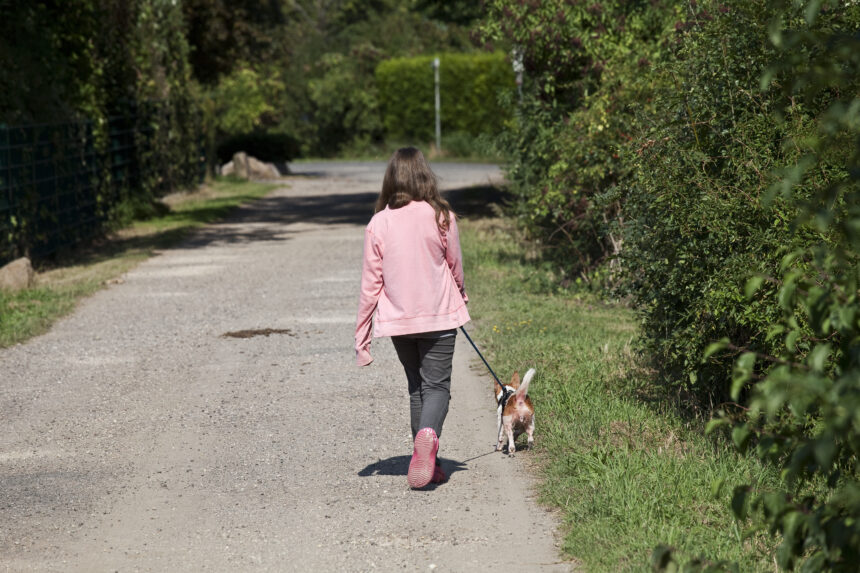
(626, 471)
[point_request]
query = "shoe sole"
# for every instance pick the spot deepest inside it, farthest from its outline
(423, 462)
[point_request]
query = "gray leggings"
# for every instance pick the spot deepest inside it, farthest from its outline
(427, 362)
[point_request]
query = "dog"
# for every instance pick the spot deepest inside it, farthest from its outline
(518, 415)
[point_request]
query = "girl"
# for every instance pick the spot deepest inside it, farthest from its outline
(412, 278)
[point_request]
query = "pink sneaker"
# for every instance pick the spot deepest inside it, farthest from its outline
(423, 464)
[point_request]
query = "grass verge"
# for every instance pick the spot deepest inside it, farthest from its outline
(626, 472)
(58, 289)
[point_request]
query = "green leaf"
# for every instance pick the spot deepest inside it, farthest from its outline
(811, 12)
(741, 436)
(717, 486)
(825, 450)
(661, 557)
(753, 285)
(786, 292)
(787, 260)
(818, 357)
(815, 563)
(715, 347)
(767, 77)
(791, 340)
(742, 372)
(774, 330)
(775, 31)
(739, 501)
(715, 423)
(784, 556)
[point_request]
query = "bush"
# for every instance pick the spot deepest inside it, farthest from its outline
(697, 220)
(741, 159)
(804, 412)
(109, 84)
(588, 69)
(346, 107)
(272, 147)
(469, 87)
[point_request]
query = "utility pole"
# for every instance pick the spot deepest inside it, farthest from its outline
(438, 117)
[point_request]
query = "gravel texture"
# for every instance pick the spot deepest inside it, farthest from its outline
(206, 415)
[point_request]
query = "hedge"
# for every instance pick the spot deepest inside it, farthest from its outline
(469, 86)
(730, 185)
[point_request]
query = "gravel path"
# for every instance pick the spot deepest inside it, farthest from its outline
(137, 437)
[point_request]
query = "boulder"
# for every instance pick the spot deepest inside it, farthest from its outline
(240, 164)
(16, 275)
(261, 170)
(247, 167)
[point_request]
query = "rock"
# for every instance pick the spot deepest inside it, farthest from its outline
(240, 164)
(247, 167)
(16, 275)
(261, 170)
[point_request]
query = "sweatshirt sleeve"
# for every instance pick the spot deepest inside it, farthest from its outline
(454, 257)
(371, 288)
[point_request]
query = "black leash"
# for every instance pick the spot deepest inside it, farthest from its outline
(505, 392)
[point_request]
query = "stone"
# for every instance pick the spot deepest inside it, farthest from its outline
(240, 164)
(246, 167)
(261, 170)
(16, 275)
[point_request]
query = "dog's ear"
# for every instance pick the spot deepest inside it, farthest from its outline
(515, 380)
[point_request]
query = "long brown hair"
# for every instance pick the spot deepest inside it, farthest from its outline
(409, 178)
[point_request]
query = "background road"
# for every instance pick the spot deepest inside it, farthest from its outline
(136, 436)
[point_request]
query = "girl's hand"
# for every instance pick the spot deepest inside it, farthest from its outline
(363, 357)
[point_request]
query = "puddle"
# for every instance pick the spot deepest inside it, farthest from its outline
(257, 332)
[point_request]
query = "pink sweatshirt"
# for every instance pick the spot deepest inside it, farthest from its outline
(412, 276)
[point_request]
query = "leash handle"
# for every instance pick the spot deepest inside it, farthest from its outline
(502, 386)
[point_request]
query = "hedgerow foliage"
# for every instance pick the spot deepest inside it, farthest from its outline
(694, 145)
(468, 84)
(587, 72)
(696, 220)
(804, 411)
(309, 66)
(93, 60)
(102, 92)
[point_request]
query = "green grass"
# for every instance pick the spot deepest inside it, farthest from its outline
(80, 273)
(626, 471)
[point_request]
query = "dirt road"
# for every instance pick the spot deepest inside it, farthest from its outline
(138, 435)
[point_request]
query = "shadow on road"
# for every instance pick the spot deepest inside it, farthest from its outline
(399, 466)
(479, 202)
(267, 219)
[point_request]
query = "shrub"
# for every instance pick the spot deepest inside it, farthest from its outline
(264, 146)
(242, 99)
(697, 224)
(469, 86)
(804, 412)
(588, 68)
(345, 100)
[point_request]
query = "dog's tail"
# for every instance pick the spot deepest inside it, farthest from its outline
(523, 390)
